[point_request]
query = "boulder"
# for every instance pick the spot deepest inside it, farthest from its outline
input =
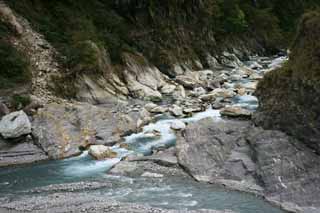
(159, 110)
(223, 93)
(168, 89)
(150, 106)
(208, 97)
(100, 152)
(187, 81)
(235, 111)
(205, 75)
(61, 129)
(14, 125)
(176, 110)
(178, 125)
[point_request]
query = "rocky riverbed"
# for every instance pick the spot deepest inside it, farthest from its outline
(153, 148)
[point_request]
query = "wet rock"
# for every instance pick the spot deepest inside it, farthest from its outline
(189, 110)
(178, 125)
(100, 152)
(235, 111)
(14, 125)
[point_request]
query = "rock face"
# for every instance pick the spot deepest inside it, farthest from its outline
(289, 97)
(61, 129)
(14, 125)
(247, 158)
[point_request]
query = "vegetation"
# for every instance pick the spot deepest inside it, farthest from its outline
(290, 96)
(14, 68)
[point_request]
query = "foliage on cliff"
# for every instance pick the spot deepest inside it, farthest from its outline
(14, 67)
(290, 97)
(164, 31)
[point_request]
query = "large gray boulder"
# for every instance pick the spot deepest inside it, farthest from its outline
(14, 125)
(243, 157)
(62, 129)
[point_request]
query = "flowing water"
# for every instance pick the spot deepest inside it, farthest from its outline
(170, 192)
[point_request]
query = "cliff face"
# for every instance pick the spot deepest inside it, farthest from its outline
(97, 50)
(290, 97)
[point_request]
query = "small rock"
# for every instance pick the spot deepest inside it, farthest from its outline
(235, 111)
(15, 125)
(101, 152)
(178, 125)
(255, 66)
(208, 97)
(241, 91)
(159, 109)
(255, 76)
(191, 110)
(150, 106)
(198, 91)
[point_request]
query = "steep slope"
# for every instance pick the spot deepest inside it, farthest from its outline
(289, 97)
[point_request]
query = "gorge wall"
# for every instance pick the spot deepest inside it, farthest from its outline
(289, 97)
(97, 50)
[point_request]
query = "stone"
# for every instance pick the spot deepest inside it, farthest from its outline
(159, 110)
(223, 93)
(230, 60)
(241, 91)
(100, 152)
(14, 125)
(188, 110)
(150, 106)
(198, 91)
(152, 175)
(187, 82)
(255, 66)
(208, 97)
(235, 111)
(168, 89)
(152, 134)
(255, 76)
(205, 75)
(177, 125)
(176, 110)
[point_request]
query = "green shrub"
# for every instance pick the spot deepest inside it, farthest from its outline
(20, 101)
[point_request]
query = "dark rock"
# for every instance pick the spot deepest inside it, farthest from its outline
(246, 158)
(3, 110)
(22, 153)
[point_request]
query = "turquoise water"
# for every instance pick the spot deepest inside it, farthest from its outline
(171, 192)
